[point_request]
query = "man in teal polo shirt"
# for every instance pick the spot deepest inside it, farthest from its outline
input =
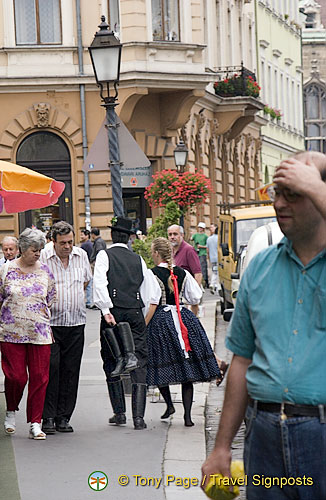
(278, 338)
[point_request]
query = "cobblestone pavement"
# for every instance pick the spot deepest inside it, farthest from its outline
(215, 400)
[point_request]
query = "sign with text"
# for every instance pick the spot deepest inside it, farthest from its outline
(139, 177)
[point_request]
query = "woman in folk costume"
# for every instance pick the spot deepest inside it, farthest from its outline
(179, 351)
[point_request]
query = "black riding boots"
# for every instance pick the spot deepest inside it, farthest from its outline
(126, 361)
(138, 404)
(118, 403)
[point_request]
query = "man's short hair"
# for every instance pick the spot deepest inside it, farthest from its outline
(95, 231)
(319, 159)
(181, 230)
(86, 232)
(61, 228)
(119, 237)
(10, 239)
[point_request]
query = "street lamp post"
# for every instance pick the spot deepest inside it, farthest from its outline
(180, 159)
(105, 52)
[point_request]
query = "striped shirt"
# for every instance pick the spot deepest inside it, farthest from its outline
(70, 308)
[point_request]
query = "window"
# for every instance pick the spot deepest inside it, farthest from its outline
(310, 20)
(37, 22)
(114, 17)
(47, 154)
(315, 117)
(165, 20)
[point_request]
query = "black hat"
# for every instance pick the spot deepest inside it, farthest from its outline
(121, 224)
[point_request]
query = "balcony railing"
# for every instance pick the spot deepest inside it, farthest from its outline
(236, 81)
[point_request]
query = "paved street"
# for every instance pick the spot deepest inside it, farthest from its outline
(60, 466)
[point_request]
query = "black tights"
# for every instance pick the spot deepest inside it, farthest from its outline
(187, 397)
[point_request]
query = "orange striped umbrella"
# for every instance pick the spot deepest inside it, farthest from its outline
(23, 189)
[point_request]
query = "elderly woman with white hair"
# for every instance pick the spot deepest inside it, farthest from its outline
(27, 290)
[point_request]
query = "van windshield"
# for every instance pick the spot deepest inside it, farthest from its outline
(245, 228)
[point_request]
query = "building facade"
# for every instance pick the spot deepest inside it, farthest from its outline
(314, 74)
(280, 76)
(173, 52)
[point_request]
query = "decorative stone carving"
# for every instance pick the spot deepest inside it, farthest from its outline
(42, 111)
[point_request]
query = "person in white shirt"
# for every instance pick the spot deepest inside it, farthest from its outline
(71, 269)
(122, 287)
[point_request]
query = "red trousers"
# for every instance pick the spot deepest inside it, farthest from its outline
(16, 360)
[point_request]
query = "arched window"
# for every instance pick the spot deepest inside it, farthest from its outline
(49, 155)
(315, 117)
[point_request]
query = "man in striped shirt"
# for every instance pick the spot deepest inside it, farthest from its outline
(71, 269)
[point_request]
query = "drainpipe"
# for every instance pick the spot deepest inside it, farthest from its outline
(83, 115)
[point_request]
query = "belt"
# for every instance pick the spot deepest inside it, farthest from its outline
(289, 409)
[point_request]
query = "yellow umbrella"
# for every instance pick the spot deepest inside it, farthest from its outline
(23, 189)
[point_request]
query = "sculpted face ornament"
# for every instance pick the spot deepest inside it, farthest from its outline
(42, 111)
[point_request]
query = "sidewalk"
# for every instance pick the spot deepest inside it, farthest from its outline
(185, 449)
(215, 402)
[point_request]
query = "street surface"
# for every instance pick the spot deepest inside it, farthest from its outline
(59, 467)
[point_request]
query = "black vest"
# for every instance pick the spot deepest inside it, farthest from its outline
(125, 276)
(163, 274)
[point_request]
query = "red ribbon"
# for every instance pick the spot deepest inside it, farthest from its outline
(184, 331)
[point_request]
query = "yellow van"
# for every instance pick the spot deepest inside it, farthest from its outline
(236, 224)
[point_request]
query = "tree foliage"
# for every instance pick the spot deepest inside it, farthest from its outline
(171, 215)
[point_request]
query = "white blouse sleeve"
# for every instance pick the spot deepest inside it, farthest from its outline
(101, 295)
(150, 290)
(192, 291)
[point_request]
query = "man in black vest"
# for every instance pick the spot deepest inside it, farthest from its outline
(121, 288)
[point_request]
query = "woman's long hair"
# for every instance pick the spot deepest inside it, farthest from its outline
(164, 248)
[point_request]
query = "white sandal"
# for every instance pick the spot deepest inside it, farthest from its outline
(10, 423)
(35, 431)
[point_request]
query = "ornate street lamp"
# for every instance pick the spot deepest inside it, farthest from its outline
(180, 159)
(180, 156)
(105, 52)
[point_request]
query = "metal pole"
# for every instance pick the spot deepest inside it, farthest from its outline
(182, 220)
(114, 154)
(83, 116)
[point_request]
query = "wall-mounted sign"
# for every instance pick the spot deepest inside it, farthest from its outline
(139, 177)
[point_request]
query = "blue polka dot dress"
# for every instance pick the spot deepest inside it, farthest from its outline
(167, 361)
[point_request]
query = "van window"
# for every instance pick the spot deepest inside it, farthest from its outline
(221, 231)
(226, 232)
(245, 228)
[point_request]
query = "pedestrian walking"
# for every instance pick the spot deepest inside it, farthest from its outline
(98, 244)
(185, 256)
(27, 291)
(70, 267)
(278, 338)
(211, 243)
(179, 350)
(200, 244)
(122, 286)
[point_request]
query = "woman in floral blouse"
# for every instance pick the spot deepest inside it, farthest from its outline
(27, 290)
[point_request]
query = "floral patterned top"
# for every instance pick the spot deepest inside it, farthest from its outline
(25, 301)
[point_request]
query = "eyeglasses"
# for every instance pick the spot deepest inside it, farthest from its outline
(290, 196)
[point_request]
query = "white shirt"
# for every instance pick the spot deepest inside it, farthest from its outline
(70, 308)
(150, 291)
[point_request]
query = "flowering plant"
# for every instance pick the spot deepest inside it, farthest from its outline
(273, 112)
(185, 189)
(114, 220)
(237, 85)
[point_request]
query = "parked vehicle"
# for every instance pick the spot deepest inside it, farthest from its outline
(261, 238)
(236, 224)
